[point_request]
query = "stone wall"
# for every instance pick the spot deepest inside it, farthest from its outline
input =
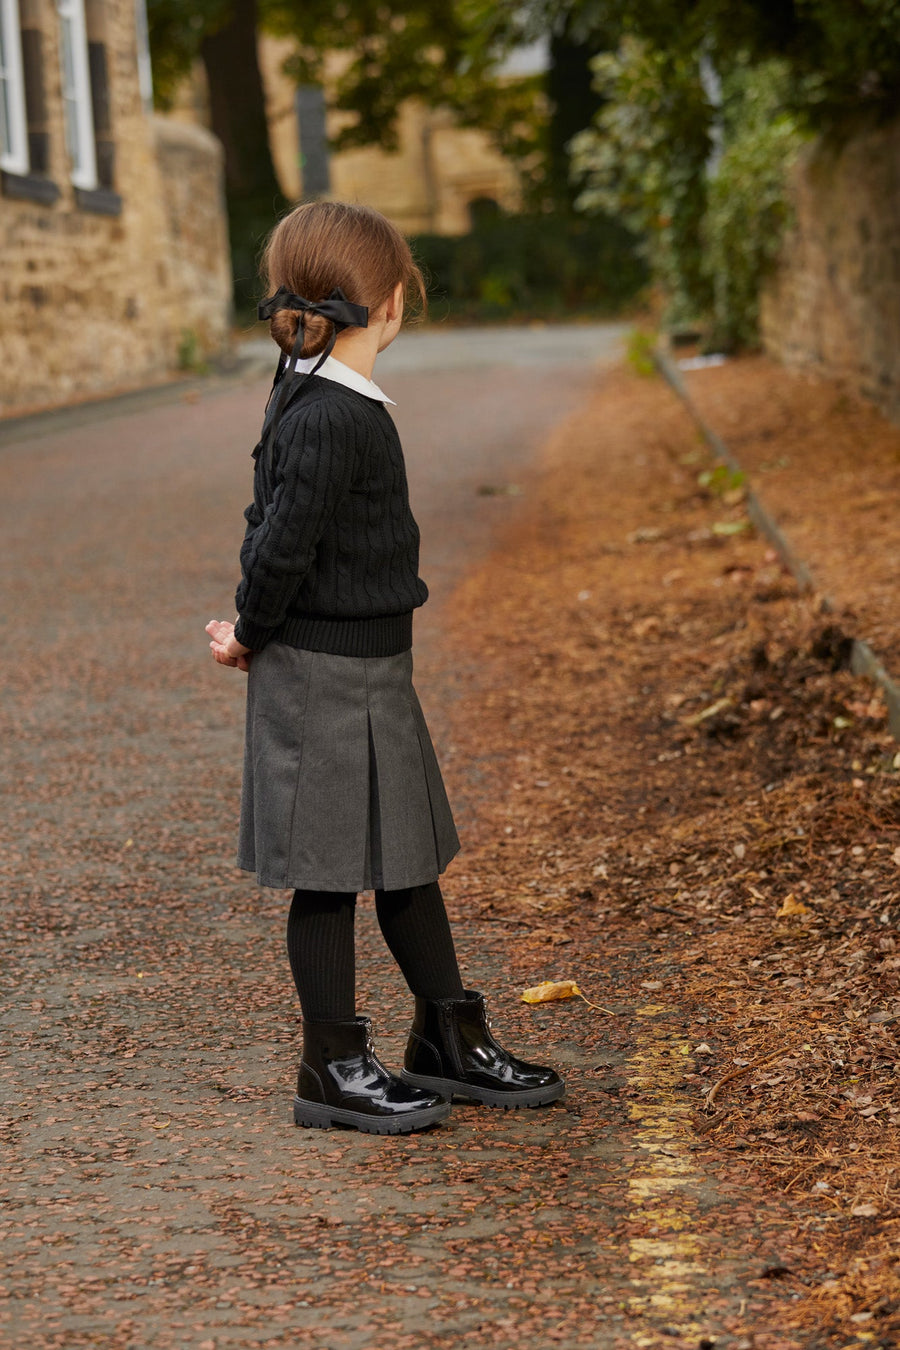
(196, 267)
(91, 283)
(834, 303)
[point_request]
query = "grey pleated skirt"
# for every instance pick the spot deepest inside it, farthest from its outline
(342, 789)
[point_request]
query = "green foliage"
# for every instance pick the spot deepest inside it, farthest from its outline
(721, 481)
(843, 56)
(710, 232)
(531, 265)
(644, 160)
(746, 199)
(177, 29)
(443, 55)
(639, 352)
(190, 353)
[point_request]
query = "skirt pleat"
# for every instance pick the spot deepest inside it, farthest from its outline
(342, 789)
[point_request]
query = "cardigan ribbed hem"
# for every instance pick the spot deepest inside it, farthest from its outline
(384, 635)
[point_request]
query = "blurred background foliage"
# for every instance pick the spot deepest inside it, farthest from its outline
(662, 126)
(551, 265)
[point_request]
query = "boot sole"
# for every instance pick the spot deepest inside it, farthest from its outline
(506, 1101)
(316, 1116)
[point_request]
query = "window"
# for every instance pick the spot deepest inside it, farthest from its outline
(76, 88)
(13, 125)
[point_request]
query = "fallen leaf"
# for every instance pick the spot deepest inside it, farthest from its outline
(729, 527)
(549, 990)
(719, 706)
(791, 905)
(865, 1211)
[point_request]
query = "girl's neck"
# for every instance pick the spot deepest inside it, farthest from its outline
(358, 350)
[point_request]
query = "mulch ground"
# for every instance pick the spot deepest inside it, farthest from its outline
(674, 754)
(828, 466)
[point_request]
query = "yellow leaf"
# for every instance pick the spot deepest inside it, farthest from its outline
(550, 990)
(791, 905)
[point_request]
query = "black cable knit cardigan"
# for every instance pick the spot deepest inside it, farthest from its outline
(330, 556)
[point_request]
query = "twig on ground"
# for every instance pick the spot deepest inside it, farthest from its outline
(743, 1070)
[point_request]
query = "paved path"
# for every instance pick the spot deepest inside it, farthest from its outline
(154, 1192)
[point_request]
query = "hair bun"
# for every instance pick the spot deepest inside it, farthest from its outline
(317, 330)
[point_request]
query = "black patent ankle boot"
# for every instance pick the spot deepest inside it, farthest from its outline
(451, 1051)
(342, 1082)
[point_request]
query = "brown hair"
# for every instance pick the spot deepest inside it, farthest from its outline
(321, 245)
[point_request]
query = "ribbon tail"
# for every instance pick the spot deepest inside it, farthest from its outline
(327, 352)
(287, 379)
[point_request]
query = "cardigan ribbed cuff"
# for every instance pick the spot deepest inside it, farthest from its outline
(384, 635)
(252, 635)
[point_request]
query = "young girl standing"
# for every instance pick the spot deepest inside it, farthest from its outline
(342, 792)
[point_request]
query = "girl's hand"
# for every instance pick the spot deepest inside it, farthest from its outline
(225, 647)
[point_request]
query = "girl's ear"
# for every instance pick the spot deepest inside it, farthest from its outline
(395, 303)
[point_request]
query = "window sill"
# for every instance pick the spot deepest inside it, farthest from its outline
(101, 201)
(30, 187)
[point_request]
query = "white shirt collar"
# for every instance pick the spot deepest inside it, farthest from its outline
(332, 369)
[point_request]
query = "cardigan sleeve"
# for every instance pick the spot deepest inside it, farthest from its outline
(315, 455)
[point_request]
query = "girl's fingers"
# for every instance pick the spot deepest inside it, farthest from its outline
(218, 628)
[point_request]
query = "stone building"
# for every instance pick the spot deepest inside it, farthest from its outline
(113, 243)
(426, 186)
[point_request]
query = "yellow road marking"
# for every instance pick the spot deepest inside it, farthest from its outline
(665, 1265)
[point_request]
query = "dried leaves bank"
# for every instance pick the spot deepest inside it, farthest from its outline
(672, 755)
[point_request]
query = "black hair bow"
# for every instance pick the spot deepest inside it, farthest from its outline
(337, 308)
(341, 312)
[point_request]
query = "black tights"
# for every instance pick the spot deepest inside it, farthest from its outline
(322, 952)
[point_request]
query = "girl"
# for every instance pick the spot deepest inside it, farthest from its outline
(342, 792)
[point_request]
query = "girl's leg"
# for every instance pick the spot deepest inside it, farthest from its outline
(322, 954)
(341, 1080)
(451, 1049)
(415, 927)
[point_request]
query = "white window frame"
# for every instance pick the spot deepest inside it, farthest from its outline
(76, 91)
(145, 70)
(14, 152)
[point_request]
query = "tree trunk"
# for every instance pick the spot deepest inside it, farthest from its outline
(237, 103)
(569, 84)
(238, 116)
